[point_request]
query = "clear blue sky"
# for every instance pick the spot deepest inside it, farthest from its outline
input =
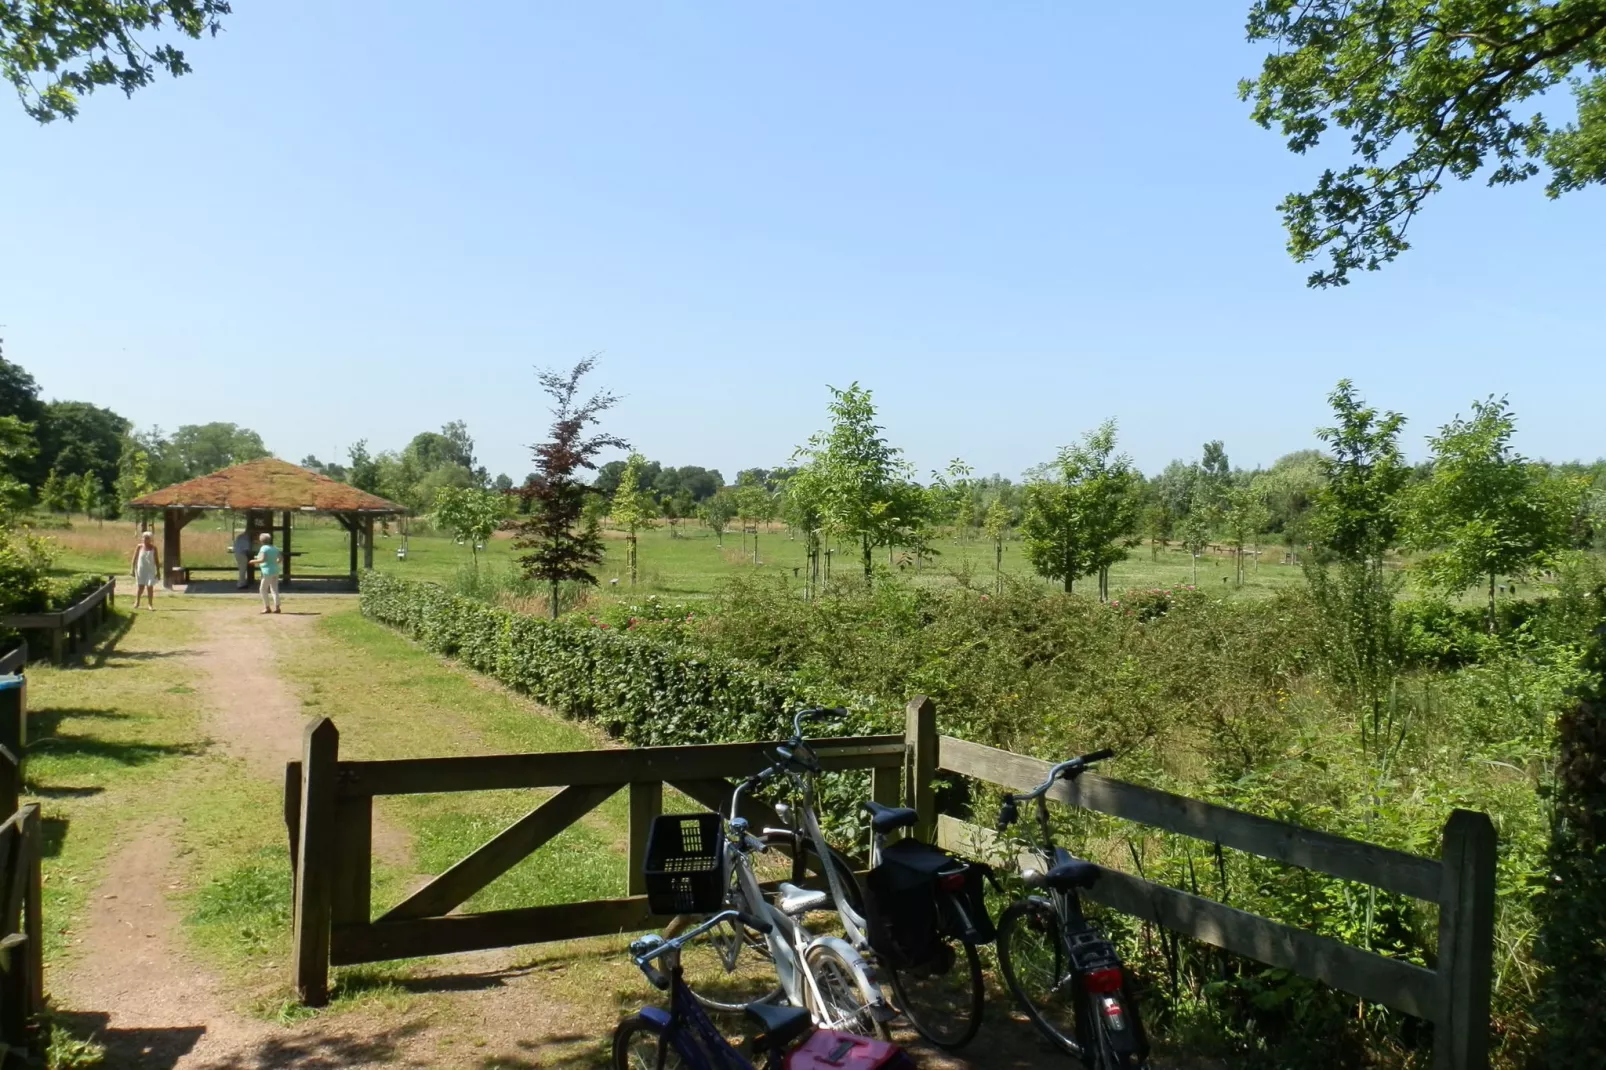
(361, 220)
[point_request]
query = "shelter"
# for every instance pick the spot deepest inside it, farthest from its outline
(261, 489)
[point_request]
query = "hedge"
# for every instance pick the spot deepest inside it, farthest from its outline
(647, 690)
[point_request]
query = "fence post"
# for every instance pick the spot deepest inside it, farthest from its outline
(314, 889)
(10, 782)
(33, 926)
(13, 727)
(646, 803)
(920, 736)
(1466, 943)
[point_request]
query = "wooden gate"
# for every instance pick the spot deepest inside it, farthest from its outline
(329, 812)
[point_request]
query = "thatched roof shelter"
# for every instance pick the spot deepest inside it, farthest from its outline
(259, 489)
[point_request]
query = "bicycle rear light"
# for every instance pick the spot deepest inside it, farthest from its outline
(1103, 980)
(952, 883)
(1114, 1014)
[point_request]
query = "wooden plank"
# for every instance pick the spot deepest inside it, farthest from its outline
(1338, 856)
(506, 850)
(320, 757)
(920, 735)
(351, 899)
(13, 983)
(10, 782)
(1466, 943)
(646, 803)
(89, 602)
(489, 772)
(454, 933)
(716, 795)
(33, 920)
(1397, 984)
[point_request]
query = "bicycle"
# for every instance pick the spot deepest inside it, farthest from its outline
(925, 936)
(740, 964)
(1064, 973)
(681, 1036)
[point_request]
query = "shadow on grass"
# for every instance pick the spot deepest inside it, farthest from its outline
(52, 834)
(48, 721)
(163, 1048)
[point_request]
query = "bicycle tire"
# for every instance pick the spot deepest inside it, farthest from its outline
(933, 1009)
(1036, 926)
(846, 992)
(636, 1041)
(710, 980)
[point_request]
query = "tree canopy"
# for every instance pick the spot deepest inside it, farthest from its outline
(1427, 90)
(74, 47)
(1079, 507)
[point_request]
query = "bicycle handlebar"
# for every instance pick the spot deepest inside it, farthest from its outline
(1008, 813)
(809, 714)
(650, 948)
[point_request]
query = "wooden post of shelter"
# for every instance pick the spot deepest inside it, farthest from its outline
(920, 736)
(284, 555)
(314, 889)
(349, 522)
(368, 542)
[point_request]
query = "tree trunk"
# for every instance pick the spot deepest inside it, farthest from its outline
(869, 563)
(1069, 583)
(1196, 570)
(1491, 601)
(632, 559)
(554, 601)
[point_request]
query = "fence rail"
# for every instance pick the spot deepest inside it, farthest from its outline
(22, 985)
(329, 815)
(72, 626)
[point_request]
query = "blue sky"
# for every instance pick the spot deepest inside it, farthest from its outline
(358, 220)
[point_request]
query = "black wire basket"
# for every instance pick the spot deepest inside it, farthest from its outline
(685, 868)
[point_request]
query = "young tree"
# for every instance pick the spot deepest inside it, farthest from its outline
(719, 511)
(754, 505)
(86, 494)
(1157, 526)
(1246, 518)
(1194, 531)
(471, 515)
(996, 524)
(1080, 510)
(558, 547)
(133, 475)
(859, 474)
(1424, 89)
(632, 507)
(1486, 510)
(53, 495)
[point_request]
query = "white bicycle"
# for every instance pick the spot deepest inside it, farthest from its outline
(731, 965)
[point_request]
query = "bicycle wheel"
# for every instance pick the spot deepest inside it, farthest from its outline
(943, 999)
(731, 965)
(636, 1041)
(845, 994)
(1031, 954)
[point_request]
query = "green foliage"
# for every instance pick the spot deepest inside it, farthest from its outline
(632, 507)
(1571, 943)
(1425, 89)
(82, 45)
(470, 514)
(718, 511)
(1358, 506)
(1246, 518)
(1080, 509)
(1487, 511)
(133, 475)
(199, 449)
(861, 483)
(77, 437)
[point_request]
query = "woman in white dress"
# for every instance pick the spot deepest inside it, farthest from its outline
(146, 566)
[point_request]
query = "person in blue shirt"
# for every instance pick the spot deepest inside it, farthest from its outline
(267, 563)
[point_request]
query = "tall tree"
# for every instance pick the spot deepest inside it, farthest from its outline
(133, 475)
(1194, 532)
(1487, 511)
(17, 450)
(77, 46)
(1425, 89)
(558, 547)
(1080, 508)
(77, 437)
(719, 511)
(632, 508)
(19, 398)
(1246, 518)
(198, 449)
(860, 475)
(363, 470)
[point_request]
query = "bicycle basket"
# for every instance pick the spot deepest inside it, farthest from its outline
(685, 868)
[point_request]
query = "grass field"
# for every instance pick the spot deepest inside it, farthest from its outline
(687, 566)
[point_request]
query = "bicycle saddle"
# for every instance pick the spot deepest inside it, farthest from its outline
(793, 900)
(886, 818)
(1067, 875)
(781, 1026)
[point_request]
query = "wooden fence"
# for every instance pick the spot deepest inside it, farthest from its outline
(22, 986)
(329, 813)
(69, 628)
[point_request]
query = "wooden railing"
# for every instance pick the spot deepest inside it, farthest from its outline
(72, 626)
(22, 989)
(329, 813)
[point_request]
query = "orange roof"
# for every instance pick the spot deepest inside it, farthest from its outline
(267, 484)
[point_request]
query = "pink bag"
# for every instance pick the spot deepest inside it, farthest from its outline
(830, 1050)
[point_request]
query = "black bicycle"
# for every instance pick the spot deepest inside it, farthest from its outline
(1064, 973)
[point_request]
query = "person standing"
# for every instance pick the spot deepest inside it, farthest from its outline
(146, 566)
(242, 557)
(267, 562)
